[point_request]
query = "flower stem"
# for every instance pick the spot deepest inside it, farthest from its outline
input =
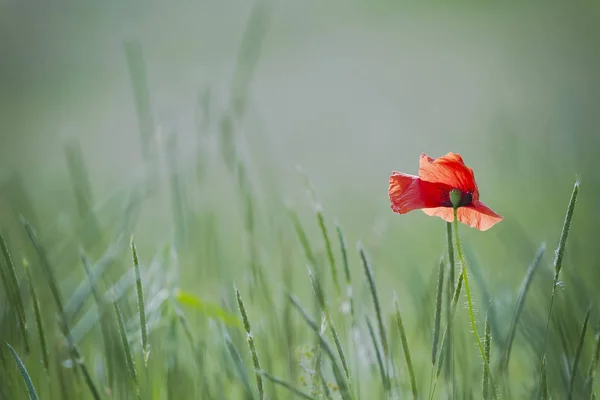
(469, 298)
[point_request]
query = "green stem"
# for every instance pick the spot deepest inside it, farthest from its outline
(469, 298)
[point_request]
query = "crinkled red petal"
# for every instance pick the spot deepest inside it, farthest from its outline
(449, 170)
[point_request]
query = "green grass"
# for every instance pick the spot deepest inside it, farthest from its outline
(317, 320)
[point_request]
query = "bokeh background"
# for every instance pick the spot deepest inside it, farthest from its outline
(346, 90)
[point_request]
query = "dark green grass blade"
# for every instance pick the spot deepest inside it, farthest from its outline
(340, 379)
(487, 342)
(15, 292)
(45, 262)
(594, 364)
(406, 349)
(371, 279)
(577, 357)
(26, 378)
(127, 350)
(286, 385)
(543, 381)
(38, 318)
(251, 345)
(560, 251)
(522, 294)
(141, 305)
(559, 254)
(438, 311)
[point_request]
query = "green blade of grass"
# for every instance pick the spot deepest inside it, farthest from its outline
(522, 294)
(371, 280)
(38, 318)
(487, 341)
(251, 345)
(438, 311)
(141, 305)
(318, 290)
(16, 292)
(346, 264)
(26, 378)
(210, 309)
(329, 250)
(577, 357)
(76, 358)
(303, 238)
(379, 357)
(239, 366)
(559, 254)
(287, 385)
(103, 320)
(340, 379)
(594, 364)
(406, 350)
(127, 350)
(543, 381)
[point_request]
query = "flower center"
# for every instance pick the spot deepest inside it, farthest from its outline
(458, 198)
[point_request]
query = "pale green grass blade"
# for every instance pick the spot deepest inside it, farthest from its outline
(406, 350)
(522, 294)
(577, 357)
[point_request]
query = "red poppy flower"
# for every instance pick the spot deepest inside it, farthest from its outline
(430, 191)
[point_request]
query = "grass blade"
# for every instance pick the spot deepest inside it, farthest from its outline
(578, 353)
(384, 378)
(303, 238)
(594, 364)
(127, 349)
(328, 248)
(438, 311)
(28, 383)
(487, 341)
(522, 294)
(141, 305)
(543, 381)
(318, 290)
(341, 381)
(16, 292)
(251, 345)
(559, 254)
(406, 349)
(373, 289)
(286, 385)
(38, 318)
(239, 366)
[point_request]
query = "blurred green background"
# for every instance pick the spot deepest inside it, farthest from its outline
(347, 90)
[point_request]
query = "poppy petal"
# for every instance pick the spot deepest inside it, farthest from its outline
(404, 192)
(450, 170)
(480, 216)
